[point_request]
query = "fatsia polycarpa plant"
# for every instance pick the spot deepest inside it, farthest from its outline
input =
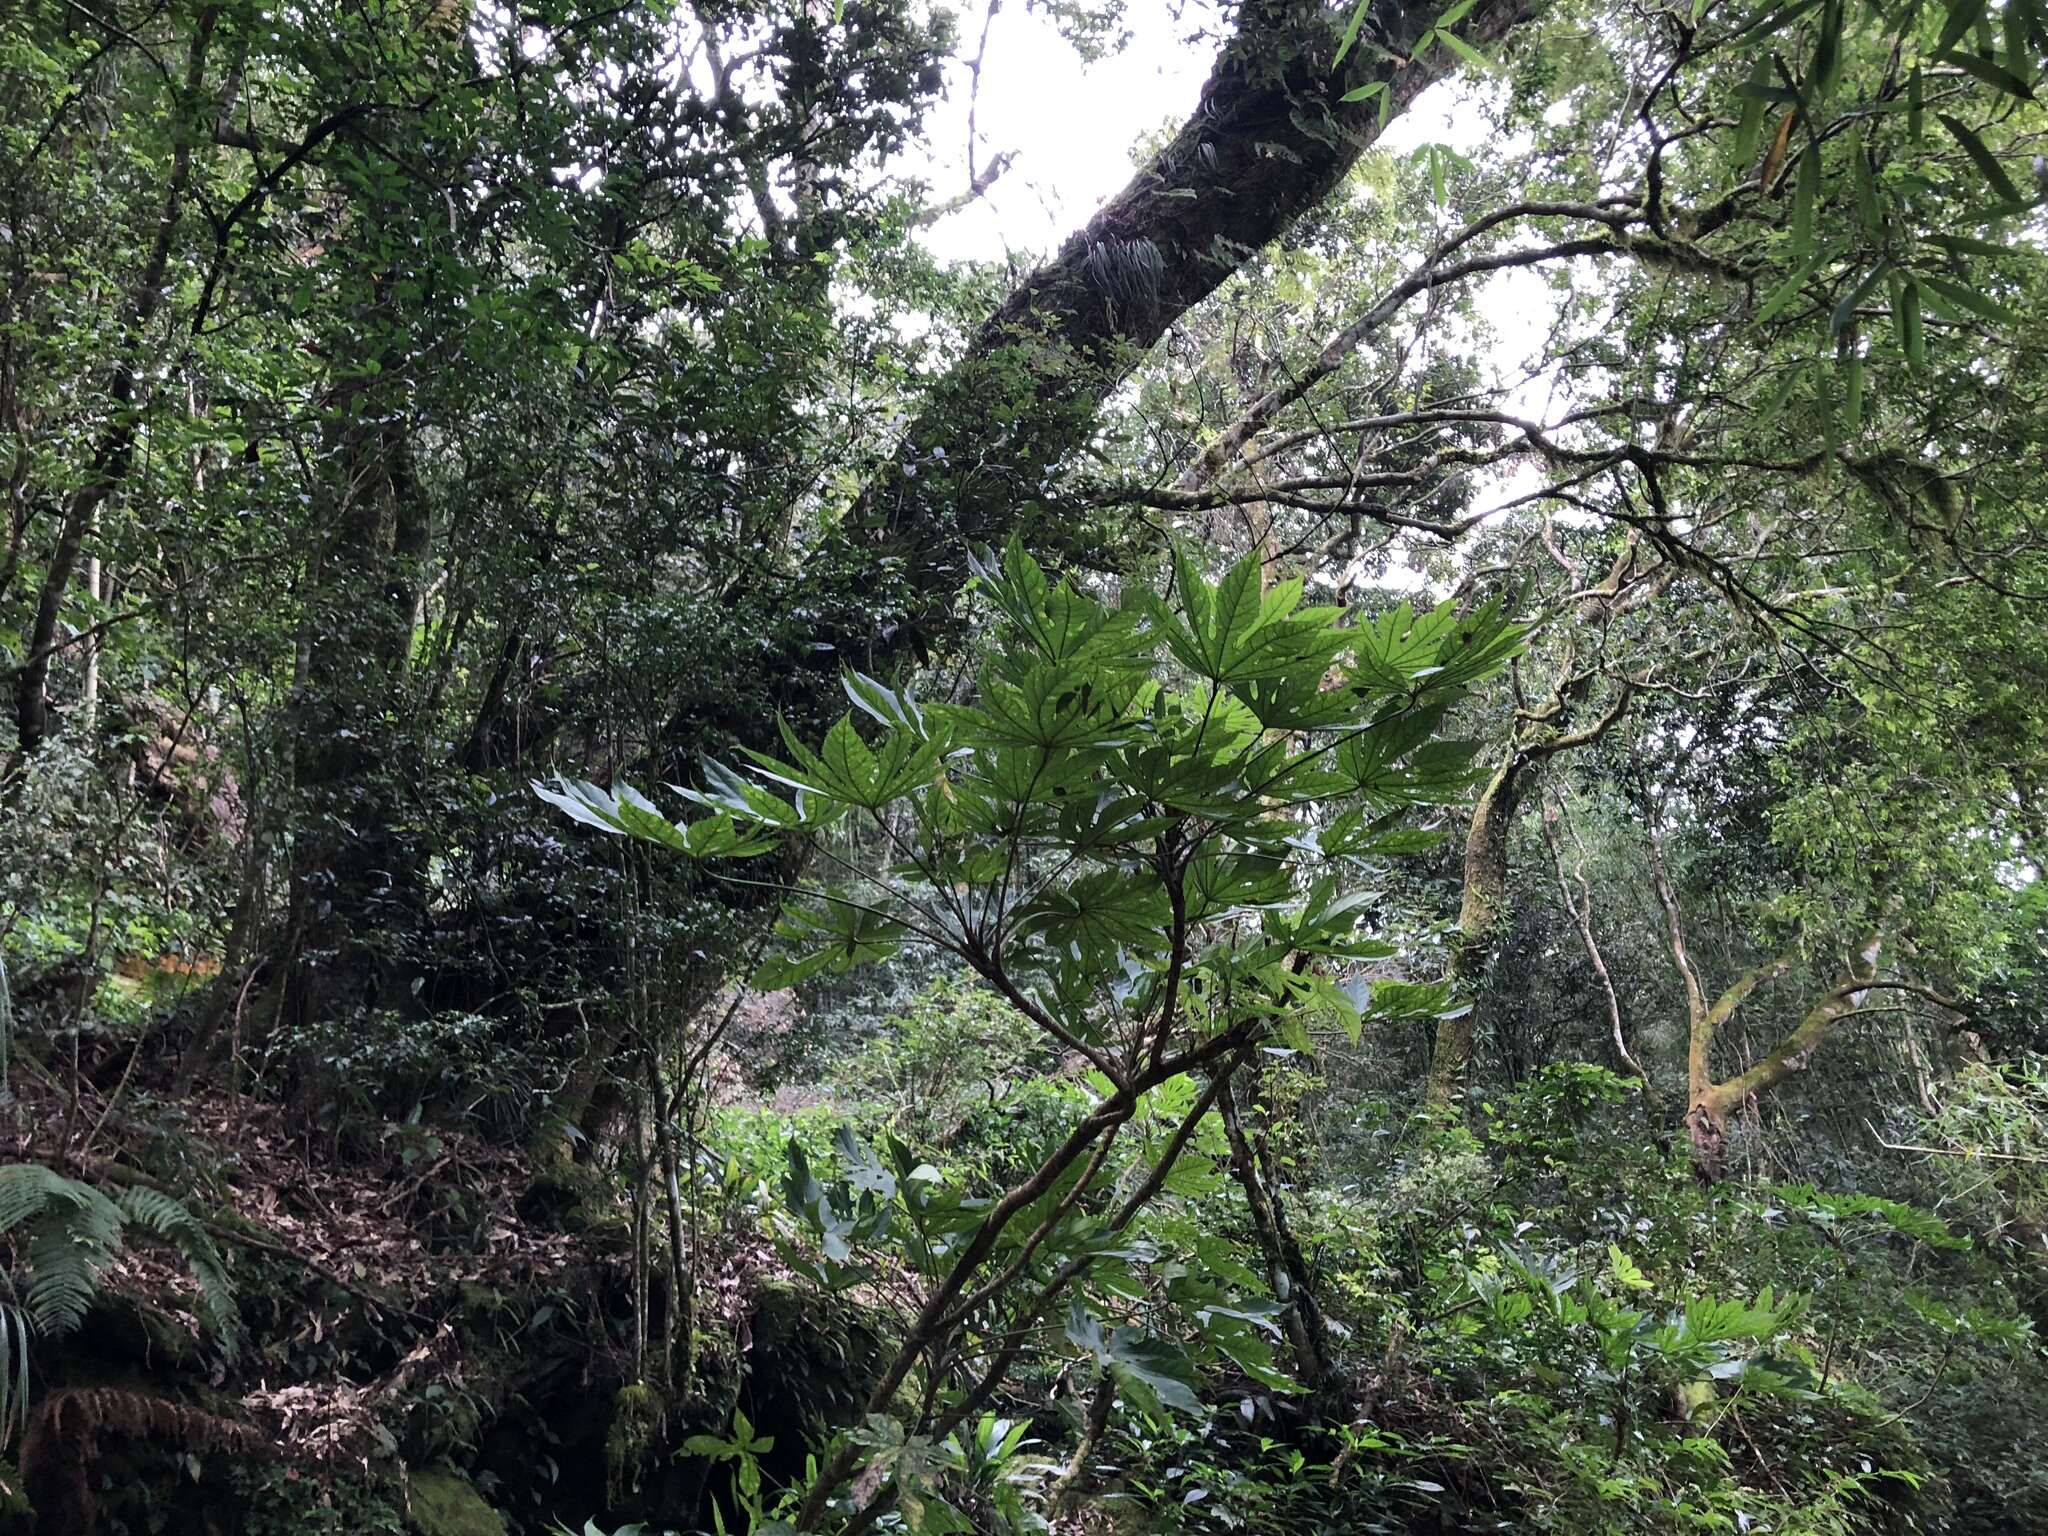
(1145, 829)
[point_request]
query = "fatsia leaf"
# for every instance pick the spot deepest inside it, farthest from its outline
(1230, 633)
(1221, 883)
(1095, 916)
(828, 932)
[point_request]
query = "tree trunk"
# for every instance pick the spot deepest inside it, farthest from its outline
(1308, 1330)
(115, 450)
(1480, 914)
(1271, 138)
(353, 866)
(1714, 1104)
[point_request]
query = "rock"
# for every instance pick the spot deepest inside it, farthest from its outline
(441, 1502)
(636, 1419)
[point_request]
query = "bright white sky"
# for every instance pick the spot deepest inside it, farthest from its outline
(1073, 127)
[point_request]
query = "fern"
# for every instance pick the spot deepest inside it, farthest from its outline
(70, 1234)
(73, 1233)
(14, 1329)
(163, 1217)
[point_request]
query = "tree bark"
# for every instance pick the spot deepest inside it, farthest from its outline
(1269, 141)
(1287, 1269)
(1482, 908)
(1480, 911)
(1713, 1104)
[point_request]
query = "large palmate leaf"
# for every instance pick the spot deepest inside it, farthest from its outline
(625, 812)
(1403, 650)
(1059, 624)
(1055, 707)
(1230, 632)
(830, 932)
(847, 770)
(1094, 917)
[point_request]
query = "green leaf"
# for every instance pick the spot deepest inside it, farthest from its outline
(1805, 197)
(1990, 71)
(1959, 302)
(1867, 210)
(1351, 30)
(864, 1171)
(1969, 245)
(1464, 50)
(1986, 162)
(1154, 1372)
(1912, 334)
(892, 709)
(1625, 1271)
(1749, 127)
(1788, 290)
(1845, 311)
(1231, 634)
(1962, 16)
(1096, 916)
(1827, 51)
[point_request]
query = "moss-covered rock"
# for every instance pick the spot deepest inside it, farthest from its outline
(636, 1419)
(441, 1502)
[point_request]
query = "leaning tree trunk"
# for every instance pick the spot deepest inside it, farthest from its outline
(1270, 140)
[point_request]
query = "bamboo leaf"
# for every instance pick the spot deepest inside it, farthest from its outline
(1786, 291)
(1912, 335)
(1992, 73)
(1961, 17)
(1804, 198)
(1351, 30)
(1464, 50)
(1986, 162)
(1845, 310)
(1749, 129)
(1959, 302)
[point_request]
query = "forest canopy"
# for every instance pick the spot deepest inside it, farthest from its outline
(684, 849)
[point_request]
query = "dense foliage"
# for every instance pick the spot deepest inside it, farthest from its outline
(1364, 854)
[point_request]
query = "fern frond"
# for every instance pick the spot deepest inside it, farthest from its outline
(14, 1329)
(28, 1189)
(162, 1216)
(74, 1233)
(66, 1259)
